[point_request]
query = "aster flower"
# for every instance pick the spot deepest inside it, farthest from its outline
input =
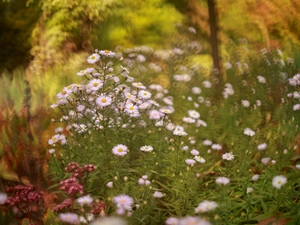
(158, 194)
(166, 110)
(168, 100)
(155, 114)
(245, 103)
(196, 90)
(200, 123)
(206, 84)
(193, 220)
(123, 201)
(249, 132)
(190, 162)
(144, 94)
(120, 150)
(70, 218)
(199, 159)
(172, 221)
(266, 160)
(222, 180)
(93, 58)
(207, 142)
(188, 120)
(139, 85)
(249, 190)
(103, 100)
(107, 53)
(255, 177)
(110, 184)
(194, 114)
(179, 133)
(95, 84)
(81, 73)
(146, 148)
(3, 198)
(85, 200)
(261, 79)
(228, 156)
(194, 152)
(216, 147)
(262, 146)
(279, 181)
(206, 206)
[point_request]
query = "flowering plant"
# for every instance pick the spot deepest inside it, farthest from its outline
(174, 153)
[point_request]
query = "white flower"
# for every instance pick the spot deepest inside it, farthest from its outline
(249, 132)
(262, 146)
(179, 133)
(103, 100)
(95, 84)
(85, 200)
(222, 180)
(188, 120)
(168, 101)
(216, 147)
(193, 220)
(71, 218)
(132, 110)
(3, 198)
(81, 73)
(245, 103)
(227, 65)
(155, 114)
(265, 161)
(123, 202)
(185, 148)
(196, 90)
(206, 206)
(51, 151)
(120, 150)
(110, 184)
(93, 58)
(144, 94)
(201, 123)
(228, 156)
(166, 110)
(194, 114)
(190, 161)
(139, 85)
(279, 181)
(255, 177)
(296, 107)
(146, 148)
(199, 159)
(258, 102)
(297, 166)
(107, 53)
(194, 152)
(206, 84)
(158, 194)
(172, 221)
(249, 190)
(261, 79)
(207, 142)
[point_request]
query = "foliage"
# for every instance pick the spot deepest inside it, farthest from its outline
(169, 162)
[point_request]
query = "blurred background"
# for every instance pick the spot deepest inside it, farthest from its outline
(44, 33)
(44, 43)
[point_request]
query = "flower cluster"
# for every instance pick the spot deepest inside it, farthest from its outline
(123, 203)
